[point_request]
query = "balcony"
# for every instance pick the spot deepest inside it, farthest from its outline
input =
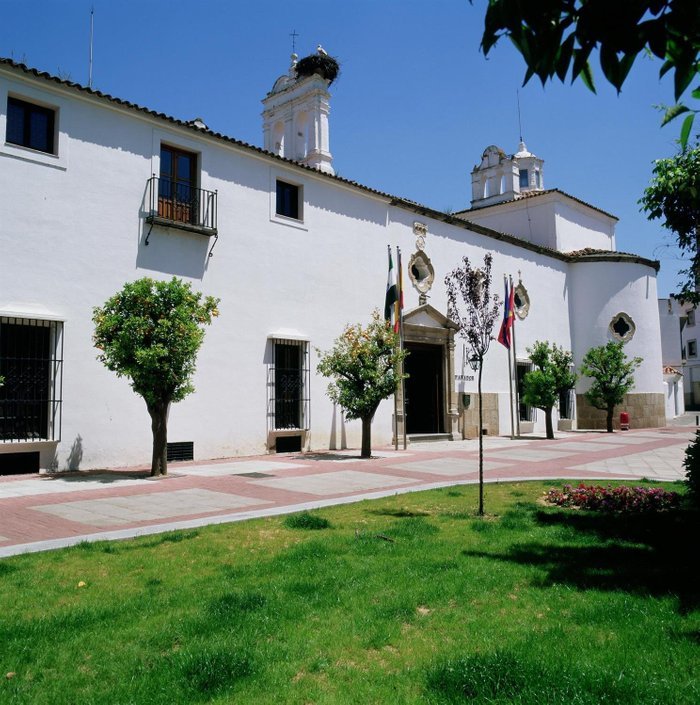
(179, 205)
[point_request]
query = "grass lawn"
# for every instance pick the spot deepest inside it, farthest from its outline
(411, 599)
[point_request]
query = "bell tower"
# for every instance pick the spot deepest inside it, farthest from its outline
(500, 177)
(295, 114)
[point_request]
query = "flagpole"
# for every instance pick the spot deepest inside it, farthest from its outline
(401, 343)
(515, 369)
(510, 377)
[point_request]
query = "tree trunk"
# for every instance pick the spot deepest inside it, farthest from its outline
(366, 437)
(548, 423)
(481, 444)
(159, 427)
(609, 419)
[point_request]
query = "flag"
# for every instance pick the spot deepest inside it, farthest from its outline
(398, 322)
(504, 336)
(392, 294)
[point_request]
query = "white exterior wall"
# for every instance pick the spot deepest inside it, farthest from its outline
(577, 227)
(530, 221)
(73, 233)
(602, 290)
(549, 220)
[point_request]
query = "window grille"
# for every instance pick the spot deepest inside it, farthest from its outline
(288, 385)
(31, 363)
(180, 450)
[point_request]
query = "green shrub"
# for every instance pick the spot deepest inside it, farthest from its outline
(306, 520)
(692, 468)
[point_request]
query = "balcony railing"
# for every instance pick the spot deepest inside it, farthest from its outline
(180, 205)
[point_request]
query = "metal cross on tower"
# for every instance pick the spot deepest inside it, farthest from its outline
(293, 34)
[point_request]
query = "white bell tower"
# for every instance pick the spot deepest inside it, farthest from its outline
(295, 119)
(500, 177)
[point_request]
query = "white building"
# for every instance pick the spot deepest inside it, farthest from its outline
(97, 191)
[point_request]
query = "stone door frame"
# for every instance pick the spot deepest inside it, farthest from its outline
(427, 325)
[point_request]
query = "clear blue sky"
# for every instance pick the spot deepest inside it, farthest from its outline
(411, 113)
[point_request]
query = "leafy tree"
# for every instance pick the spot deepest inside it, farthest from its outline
(692, 469)
(674, 197)
(150, 332)
(555, 35)
(613, 377)
(364, 369)
(551, 377)
(471, 288)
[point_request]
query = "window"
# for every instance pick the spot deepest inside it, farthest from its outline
(566, 404)
(523, 178)
(691, 317)
(30, 125)
(31, 362)
(288, 379)
(622, 327)
(178, 195)
(288, 200)
(692, 348)
(526, 412)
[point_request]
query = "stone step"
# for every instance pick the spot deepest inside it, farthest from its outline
(427, 437)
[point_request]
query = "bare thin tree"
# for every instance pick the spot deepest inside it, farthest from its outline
(472, 307)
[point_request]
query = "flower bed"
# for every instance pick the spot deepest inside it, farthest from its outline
(613, 499)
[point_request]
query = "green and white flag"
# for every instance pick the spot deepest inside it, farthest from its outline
(392, 292)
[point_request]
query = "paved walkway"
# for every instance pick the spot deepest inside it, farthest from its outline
(41, 512)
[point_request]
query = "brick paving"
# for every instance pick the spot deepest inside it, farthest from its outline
(42, 512)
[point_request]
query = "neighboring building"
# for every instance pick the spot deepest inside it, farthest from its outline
(673, 319)
(98, 191)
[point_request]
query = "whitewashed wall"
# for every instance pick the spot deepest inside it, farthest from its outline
(73, 232)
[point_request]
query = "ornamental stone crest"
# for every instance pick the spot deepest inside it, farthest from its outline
(420, 230)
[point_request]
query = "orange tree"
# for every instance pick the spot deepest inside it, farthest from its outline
(150, 332)
(364, 368)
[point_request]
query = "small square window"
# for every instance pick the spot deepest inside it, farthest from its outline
(691, 317)
(30, 125)
(289, 200)
(692, 348)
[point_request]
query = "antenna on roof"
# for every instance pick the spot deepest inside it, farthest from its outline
(520, 126)
(92, 26)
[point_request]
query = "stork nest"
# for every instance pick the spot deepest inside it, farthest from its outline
(325, 66)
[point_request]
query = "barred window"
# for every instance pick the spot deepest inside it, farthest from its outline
(31, 365)
(288, 384)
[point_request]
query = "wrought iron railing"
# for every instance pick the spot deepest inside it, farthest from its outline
(181, 205)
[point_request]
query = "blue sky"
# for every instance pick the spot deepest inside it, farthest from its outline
(414, 107)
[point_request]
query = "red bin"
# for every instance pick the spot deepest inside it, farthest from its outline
(624, 421)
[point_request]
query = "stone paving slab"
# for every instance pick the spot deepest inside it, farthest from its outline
(331, 483)
(659, 463)
(588, 447)
(621, 439)
(118, 511)
(237, 468)
(451, 467)
(71, 483)
(528, 454)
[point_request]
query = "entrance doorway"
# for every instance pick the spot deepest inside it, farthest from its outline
(424, 388)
